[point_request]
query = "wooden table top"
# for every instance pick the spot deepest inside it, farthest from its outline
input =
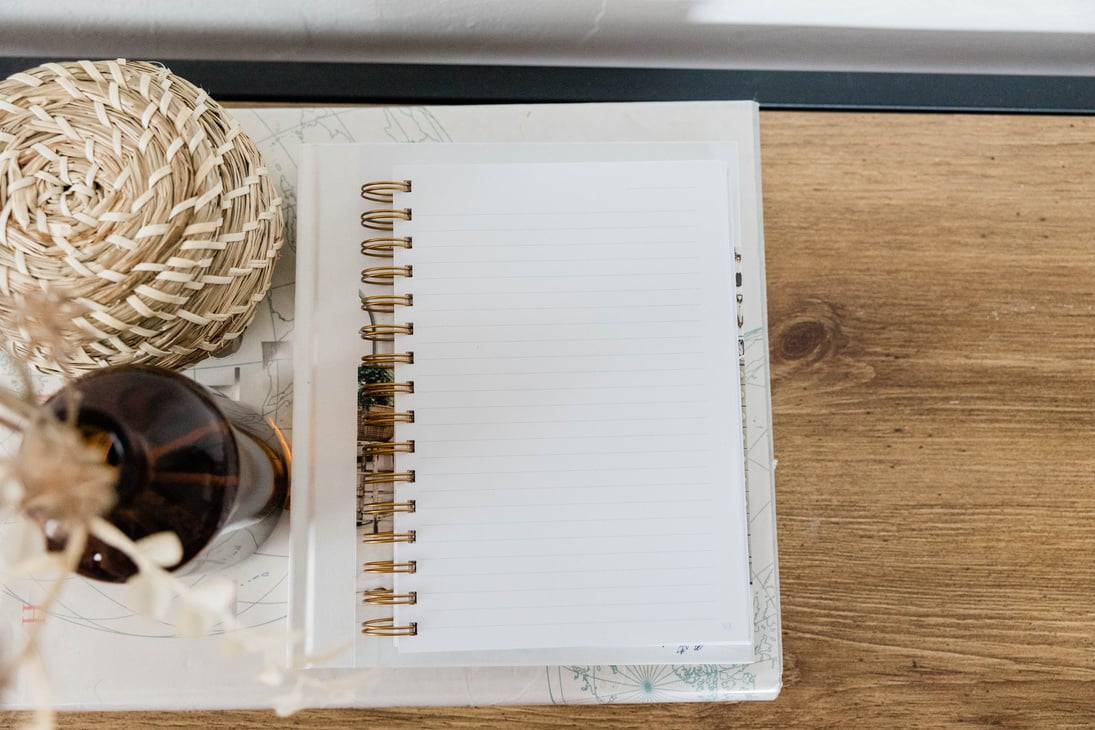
(931, 297)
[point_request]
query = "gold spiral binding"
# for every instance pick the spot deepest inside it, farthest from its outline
(390, 566)
(385, 597)
(388, 418)
(384, 275)
(388, 359)
(388, 477)
(387, 448)
(386, 302)
(386, 390)
(384, 332)
(387, 508)
(384, 247)
(386, 627)
(376, 538)
(383, 191)
(383, 219)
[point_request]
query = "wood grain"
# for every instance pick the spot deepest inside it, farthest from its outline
(932, 326)
(932, 316)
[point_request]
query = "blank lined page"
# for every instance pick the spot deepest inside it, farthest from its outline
(578, 447)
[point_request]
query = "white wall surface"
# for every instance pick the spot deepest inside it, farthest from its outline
(1006, 36)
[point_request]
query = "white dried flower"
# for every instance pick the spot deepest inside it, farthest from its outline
(163, 548)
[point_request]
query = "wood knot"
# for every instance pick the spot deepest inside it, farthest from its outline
(810, 344)
(808, 336)
(804, 341)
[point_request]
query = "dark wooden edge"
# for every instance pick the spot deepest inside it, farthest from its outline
(386, 83)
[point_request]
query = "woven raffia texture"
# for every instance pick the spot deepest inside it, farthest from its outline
(128, 189)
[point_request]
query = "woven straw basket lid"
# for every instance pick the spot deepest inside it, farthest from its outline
(129, 190)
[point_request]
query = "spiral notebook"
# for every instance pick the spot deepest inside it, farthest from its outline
(524, 363)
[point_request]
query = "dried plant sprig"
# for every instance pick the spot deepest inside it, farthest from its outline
(59, 486)
(17, 408)
(53, 485)
(55, 477)
(155, 592)
(30, 556)
(199, 608)
(65, 481)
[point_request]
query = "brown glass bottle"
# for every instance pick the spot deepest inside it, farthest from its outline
(190, 461)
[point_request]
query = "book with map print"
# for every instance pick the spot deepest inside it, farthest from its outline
(523, 405)
(101, 654)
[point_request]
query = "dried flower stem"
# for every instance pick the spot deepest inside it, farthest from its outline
(29, 655)
(15, 410)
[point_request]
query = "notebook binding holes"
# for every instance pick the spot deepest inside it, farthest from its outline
(378, 393)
